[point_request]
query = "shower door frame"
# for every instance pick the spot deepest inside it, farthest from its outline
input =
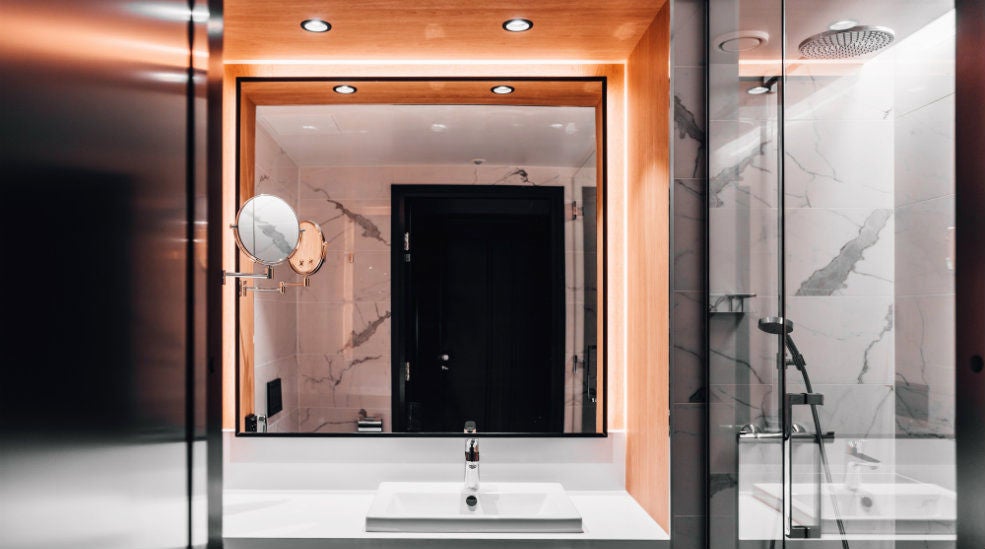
(969, 275)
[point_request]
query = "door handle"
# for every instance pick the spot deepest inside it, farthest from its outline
(444, 358)
(790, 529)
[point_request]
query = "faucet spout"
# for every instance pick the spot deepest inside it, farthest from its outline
(856, 462)
(471, 458)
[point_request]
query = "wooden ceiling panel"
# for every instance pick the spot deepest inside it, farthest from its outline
(589, 30)
(570, 93)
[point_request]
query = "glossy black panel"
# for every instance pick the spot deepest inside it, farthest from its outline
(970, 274)
(100, 395)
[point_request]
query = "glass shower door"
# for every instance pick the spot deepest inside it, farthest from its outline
(831, 272)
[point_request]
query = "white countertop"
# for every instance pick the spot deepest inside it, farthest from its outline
(326, 515)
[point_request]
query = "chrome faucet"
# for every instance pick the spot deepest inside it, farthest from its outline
(856, 462)
(471, 458)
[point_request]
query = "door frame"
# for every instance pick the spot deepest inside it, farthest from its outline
(401, 222)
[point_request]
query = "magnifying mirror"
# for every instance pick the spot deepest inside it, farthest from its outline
(267, 229)
(310, 254)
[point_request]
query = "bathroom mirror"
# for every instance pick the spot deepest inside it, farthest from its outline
(460, 239)
(310, 253)
(267, 229)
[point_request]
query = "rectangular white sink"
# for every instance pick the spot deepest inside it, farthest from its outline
(523, 507)
(901, 508)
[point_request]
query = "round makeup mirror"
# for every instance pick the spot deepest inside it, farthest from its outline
(308, 258)
(267, 229)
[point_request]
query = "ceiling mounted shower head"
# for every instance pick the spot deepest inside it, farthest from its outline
(843, 44)
(775, 325)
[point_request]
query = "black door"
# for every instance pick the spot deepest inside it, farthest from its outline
(478, 308)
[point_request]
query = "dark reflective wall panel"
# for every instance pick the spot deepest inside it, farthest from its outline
(101, 390)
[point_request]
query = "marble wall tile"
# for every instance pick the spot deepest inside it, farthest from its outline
(924, 331)
(743, 163)
(688, 383)
(274, 330)
(839, 252)
(689, 227)
(687, 34)
(845, 339)
(925, 365)
(351, 225)
(855, 411)
(839, 164)
(346, 182)
(739, 352)
(925, 65)
(276, 172)
(689, 123)
(688, 463)
(864, 93)
(728, 230)
(284, 422)
(921, 258)
(722, 428)
(924, 146)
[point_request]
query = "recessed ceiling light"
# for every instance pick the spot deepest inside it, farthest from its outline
(316, 25)
(557, 125)
(758, 90)
(843, 24)
(438, 128)
(344, 89)
(501, 90)
(518, 25)
(309, 127)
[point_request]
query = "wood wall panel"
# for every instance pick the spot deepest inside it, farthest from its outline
(647, 253)
(247, 188)
(615, 195)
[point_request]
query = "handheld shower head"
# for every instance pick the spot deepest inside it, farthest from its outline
(775, 325)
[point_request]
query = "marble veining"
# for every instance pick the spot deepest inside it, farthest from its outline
(362, 336)
(830, 278)
(733, 174)
(370, 230)
(887, 328)
(688, 127)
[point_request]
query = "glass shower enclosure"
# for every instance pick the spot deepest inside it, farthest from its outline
(830, 273)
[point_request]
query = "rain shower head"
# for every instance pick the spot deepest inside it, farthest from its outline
(775, 325)
(843, 44)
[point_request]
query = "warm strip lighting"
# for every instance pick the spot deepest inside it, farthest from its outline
(329, 62)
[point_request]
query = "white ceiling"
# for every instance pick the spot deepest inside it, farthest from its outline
(806, 18)
(354, 135)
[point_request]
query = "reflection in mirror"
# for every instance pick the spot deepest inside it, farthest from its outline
(267, 229)
(460, 277)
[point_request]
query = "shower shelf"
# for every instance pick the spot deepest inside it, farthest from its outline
(728, 304)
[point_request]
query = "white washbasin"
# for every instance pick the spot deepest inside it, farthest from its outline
(901, 508)
(526, 507)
